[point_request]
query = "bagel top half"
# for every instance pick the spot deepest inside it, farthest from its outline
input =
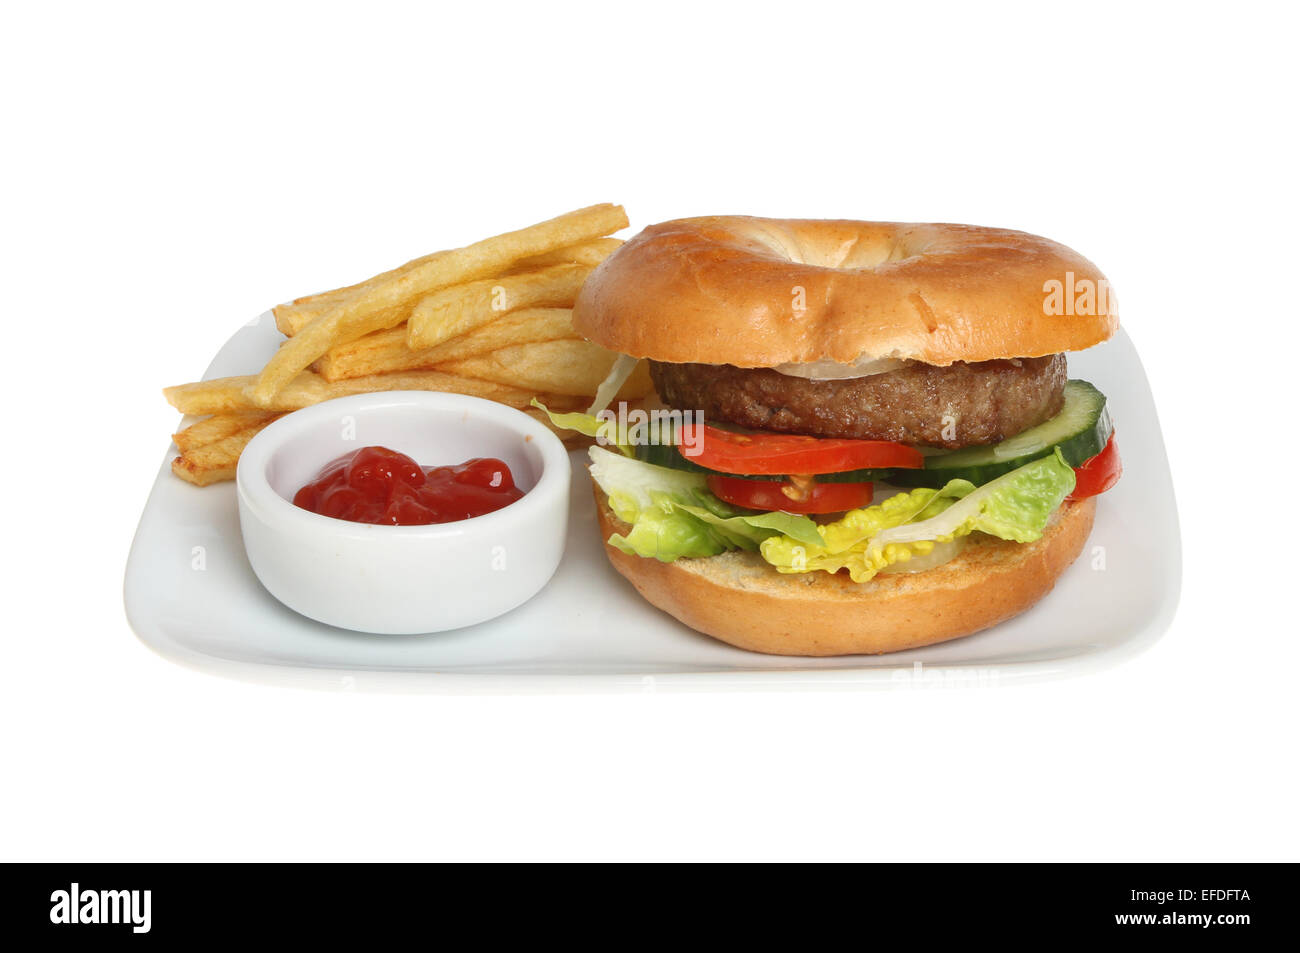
(758, 292)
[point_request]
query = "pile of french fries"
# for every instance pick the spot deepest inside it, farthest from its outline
(492, 319)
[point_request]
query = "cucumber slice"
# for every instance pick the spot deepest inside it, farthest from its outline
(1081, 430)
(667, 455)
(857, 476)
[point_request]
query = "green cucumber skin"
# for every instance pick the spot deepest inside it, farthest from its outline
(979, 475)
(976, 464)
(859, 476)
(667, 455)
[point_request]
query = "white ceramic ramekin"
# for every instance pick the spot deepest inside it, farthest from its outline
(398, 580)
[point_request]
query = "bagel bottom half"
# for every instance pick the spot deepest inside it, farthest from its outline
(740, 599)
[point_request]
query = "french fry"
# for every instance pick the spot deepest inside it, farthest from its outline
(454, 311)
(380, 306)
(562, 367)
(587, 253)
(512, 395)
(215, 462)
(226, 395)
(525, 326)
(379, 352)
(297, 314)
(383, 318)
(292, 317)
(384, 352)
(218, 427)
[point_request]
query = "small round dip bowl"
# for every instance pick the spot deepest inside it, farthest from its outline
(400, 580)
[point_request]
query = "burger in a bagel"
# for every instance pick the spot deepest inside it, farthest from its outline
(868, 440)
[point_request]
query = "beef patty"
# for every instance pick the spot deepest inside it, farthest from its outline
(960, 405)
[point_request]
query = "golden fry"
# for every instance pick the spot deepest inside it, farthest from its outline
(384, 352)
(226, 395)
(380, 352)
(233, 394)
(293, 317)
(453, 311)
(525, 326)
(561, 367)
(587, 253)
(382, 305)
(216, 461)
(218, 427)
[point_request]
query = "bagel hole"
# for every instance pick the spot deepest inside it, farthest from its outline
(856, 253)
(866, 256)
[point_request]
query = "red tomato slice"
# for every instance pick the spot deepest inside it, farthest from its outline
(764, 454)
(1097, 474)
(768, 495)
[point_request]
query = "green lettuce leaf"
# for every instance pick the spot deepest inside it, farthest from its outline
(843, 543)
(673, 514)
(634, 486)
(857, 526)
(668, 535)
(754, 526)
(1015, 506)
(605, 431)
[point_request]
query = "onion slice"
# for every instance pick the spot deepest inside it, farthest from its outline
(623, 367)
(831, 371)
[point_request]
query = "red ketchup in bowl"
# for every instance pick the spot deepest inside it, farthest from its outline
(378, 485)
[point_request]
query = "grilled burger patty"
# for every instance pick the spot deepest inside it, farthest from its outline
(985, 402)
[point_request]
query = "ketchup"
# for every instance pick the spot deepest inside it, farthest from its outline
(378, 485)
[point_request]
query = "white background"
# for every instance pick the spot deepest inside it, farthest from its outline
(168, 173)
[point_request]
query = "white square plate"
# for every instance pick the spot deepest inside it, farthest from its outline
(191, 596)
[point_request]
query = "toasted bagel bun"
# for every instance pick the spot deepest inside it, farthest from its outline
(758, 292)
(740, 599)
